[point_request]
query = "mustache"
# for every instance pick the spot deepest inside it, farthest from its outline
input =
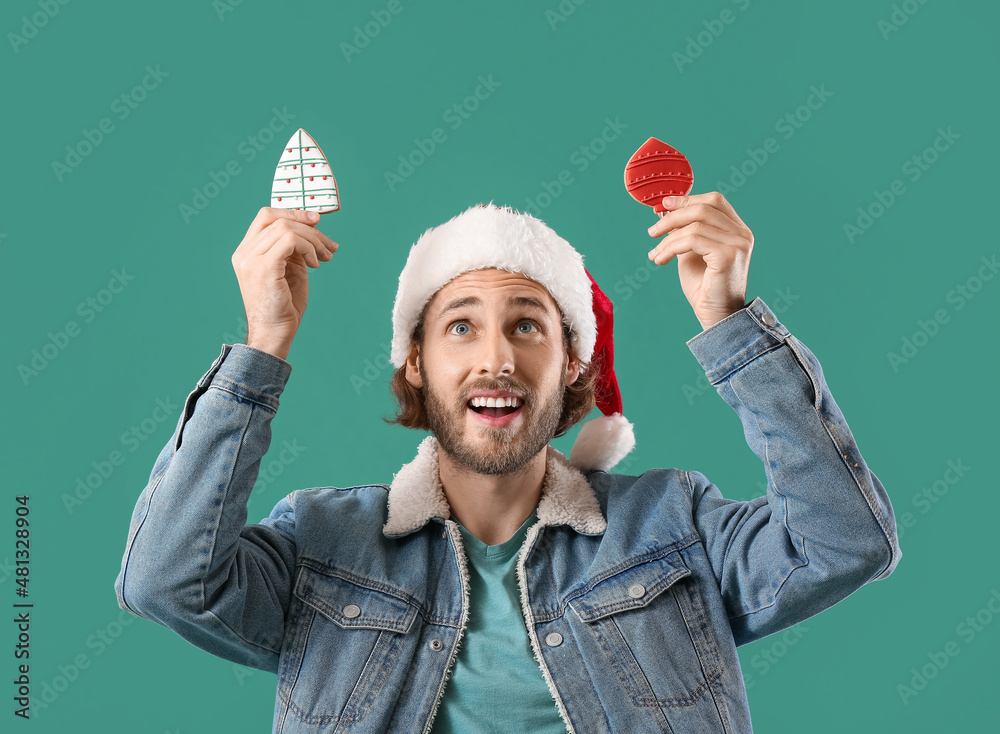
(501, 384)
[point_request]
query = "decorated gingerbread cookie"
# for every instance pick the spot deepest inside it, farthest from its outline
(657, 170)
(303, 178)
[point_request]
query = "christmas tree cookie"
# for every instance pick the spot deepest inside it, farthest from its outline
(303, 178)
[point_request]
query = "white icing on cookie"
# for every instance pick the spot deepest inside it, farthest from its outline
(303, 178)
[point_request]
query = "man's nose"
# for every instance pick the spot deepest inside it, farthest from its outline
(496, 354)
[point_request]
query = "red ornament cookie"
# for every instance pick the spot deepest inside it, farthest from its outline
(657, 170)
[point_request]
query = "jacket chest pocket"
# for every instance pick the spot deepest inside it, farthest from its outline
(342, 651)
(650, 623)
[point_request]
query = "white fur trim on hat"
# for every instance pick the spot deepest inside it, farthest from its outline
(488, 236)
(602, 442)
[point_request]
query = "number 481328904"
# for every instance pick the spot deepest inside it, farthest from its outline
(22, 545)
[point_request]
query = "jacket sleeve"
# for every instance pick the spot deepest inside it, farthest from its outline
(191, 563)
(826, 526)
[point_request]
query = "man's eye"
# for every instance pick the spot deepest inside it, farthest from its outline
(458, 326)
(525, 323)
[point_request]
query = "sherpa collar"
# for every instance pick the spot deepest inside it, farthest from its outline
(416, 495)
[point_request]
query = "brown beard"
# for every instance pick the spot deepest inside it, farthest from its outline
(507, 449)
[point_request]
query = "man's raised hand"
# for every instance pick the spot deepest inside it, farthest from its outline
(712, 246)
(270, 264)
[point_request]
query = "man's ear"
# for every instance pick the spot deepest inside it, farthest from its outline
(572, 369)
(413, 366)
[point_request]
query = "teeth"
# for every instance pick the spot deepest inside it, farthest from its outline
(481, 402)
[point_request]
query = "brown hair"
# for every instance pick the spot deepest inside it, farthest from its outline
(578, 398)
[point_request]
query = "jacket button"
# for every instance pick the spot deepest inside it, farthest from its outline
(768, 319)
(636, 591)
(553, 639)
(351, 611)
(436, 645)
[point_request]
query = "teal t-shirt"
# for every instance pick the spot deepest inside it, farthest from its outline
(496, 685)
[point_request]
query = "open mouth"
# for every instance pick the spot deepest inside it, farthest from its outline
(495, 407)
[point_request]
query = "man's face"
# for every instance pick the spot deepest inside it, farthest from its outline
(492, 333)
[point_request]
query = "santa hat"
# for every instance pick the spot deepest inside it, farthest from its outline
(488, 236)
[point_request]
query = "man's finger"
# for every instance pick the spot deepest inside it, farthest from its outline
(712, 198)
(269, 214)
(694, 212)
(703, 241)
(259, 240)
(280, 230)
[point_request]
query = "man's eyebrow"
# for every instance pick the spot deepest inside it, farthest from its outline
(528, 301)
(524, 301)
(459, 303)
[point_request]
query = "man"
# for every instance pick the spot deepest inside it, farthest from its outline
(494, 585)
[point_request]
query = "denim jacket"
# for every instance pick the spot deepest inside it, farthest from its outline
(635, 590)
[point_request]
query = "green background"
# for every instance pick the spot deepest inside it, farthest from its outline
(560, 71)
